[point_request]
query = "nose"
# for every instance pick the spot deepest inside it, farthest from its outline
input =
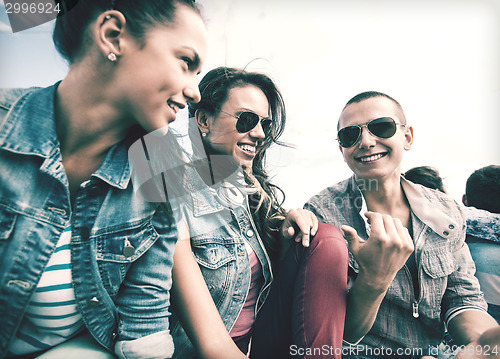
(366, 140)
(191, 91)
(257, 131)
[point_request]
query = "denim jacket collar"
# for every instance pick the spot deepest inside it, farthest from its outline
(420, 205)
(204, 197)
(26, 131)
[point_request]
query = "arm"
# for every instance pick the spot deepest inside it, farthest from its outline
(196, 310)
(486, 346)
(380, 257)
(469, 325)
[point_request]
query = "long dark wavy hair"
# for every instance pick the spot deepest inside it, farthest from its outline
(266, 203)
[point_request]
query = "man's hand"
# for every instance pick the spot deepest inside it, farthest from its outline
(384, 253)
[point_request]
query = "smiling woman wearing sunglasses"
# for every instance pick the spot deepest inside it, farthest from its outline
(238, 276)
(410, 272)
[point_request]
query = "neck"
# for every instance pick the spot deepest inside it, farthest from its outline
(86, 120)
(383, 195)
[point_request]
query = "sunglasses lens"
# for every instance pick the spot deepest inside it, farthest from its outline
(246, 121)
(348, 136)
(383, 127)
(266, 125)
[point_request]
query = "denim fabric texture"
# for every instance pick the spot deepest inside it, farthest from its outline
(122, 294)
(219, 228)
(444, 264)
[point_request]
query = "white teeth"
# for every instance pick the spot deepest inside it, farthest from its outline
(247, 148)
(371, 158)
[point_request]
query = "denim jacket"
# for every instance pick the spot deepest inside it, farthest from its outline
(121, 246)
(409, 318)
(219, 228)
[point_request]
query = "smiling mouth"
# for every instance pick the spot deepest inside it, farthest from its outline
(248, 149)
(371, 158)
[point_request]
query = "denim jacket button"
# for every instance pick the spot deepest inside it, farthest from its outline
(94, 301)
(128, 248)
(446, 233)
(250, 233)
(451, 226)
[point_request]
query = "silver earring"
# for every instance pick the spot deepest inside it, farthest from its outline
(204, 134)
(111, 57)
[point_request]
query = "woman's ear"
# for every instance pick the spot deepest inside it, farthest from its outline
(109, 34)
(202, 120)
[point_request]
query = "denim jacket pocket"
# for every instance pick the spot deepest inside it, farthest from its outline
(212, 255)
(117, 249)
(437, 264)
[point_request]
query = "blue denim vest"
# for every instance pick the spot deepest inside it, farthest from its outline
(218, 230)
(120, 244)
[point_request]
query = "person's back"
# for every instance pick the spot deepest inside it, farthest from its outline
(482, 201)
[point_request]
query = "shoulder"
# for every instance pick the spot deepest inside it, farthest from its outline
(329, 201)
(441, 201)
(436, 209)
(9, 97)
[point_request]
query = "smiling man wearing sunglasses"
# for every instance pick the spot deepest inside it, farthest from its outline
(410, 272)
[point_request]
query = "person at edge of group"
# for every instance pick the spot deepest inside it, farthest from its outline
(426, 176)
(241, 284)
(482, 238)
(86, 264)
(482, 212)
(410, 273)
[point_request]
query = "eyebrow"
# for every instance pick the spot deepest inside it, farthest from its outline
(196, 58)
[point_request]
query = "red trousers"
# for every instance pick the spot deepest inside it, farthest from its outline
(303, 316)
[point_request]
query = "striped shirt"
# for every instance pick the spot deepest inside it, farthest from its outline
(52, 316)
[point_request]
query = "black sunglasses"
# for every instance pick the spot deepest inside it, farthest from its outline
(247, 120)
(383, 127)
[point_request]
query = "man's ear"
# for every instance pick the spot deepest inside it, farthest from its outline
(109, 34)
(408, 138)
(202, 120)
(464, 200)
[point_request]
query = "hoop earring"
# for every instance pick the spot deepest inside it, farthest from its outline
(204, 134)
(112, 57)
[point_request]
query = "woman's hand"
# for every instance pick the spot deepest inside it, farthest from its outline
(299, 224)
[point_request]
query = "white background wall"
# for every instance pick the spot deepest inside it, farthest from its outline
(439, 58)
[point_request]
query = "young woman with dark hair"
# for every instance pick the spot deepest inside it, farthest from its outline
(81, 252)
(241, 285)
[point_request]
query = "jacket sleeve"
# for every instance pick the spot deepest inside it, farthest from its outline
(144, 300)
(462, 291)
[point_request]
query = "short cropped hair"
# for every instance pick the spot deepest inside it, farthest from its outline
(483, 189)
(426, 176)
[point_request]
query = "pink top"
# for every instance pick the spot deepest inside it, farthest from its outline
(244, 322)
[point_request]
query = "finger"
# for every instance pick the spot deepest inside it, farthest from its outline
(305, 223)
(315, 222)
(352, 238)
(376, 224)
(404, 234)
